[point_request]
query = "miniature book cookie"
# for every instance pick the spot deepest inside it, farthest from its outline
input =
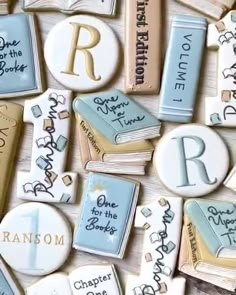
(99, 155)
(186, 266)
(116, 116)
(107, 7)
(106, 215)
(8, 285)
(203, 260)
(4, 6)
(215, 221)
(35, 239)
(186, 162)
(162, 222)
(88, 57)
(47, 182)
(143, 46)
(221, 110)
(89, 279)
(20, 67)
(182, 68)
(11, 117)
(212, 8)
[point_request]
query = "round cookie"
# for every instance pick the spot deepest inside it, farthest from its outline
(35, 239)
(82, 53)
(192, 160)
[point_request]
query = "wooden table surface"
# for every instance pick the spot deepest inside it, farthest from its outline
(151, 186)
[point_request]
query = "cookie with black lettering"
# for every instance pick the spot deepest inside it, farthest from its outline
(89, 279)
(106, 215)
(20, 67)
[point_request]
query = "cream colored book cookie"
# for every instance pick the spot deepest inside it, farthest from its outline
(162, 222)
(212, 8)
(85, 280)
(107, 7)
(47, 182)
(11, 118)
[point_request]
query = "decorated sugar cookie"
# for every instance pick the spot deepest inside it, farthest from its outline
(35, 239)
(51, 115)
(8, 285)
(192, 160)
(87, 53)
(162, 222)
(106, 215)
(20, 67)
(11, 118)
(221, 110)
(107, 7)
(89, 279)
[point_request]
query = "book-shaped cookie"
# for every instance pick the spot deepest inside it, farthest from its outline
(186, 266)
(215, 221)
(4, 6)
(8, 285)
(212, 8)
(47, 182)
(89, 279)
(162, 221)
(99, 155)
(119, 118)
(72, 6)
(106, 215)
(11, 118)
(202, 259)
(20, 65)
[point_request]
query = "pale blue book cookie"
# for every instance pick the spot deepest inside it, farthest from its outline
(216, 223)
(8, 285)
(119, 118)
(106, 216)
(182, 68)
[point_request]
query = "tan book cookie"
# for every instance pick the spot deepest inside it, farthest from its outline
(11, 117)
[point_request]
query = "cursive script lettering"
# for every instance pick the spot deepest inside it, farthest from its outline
(4, 44)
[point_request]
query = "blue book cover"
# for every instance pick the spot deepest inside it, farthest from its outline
(106, 216)
(116, 116)
(216, 223)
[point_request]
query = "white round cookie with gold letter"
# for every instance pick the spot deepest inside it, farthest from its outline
(192, 160)
(35, 239)
(82, 53)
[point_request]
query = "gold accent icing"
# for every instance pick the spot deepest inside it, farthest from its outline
(89, 61)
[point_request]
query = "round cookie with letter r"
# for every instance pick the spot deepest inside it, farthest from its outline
(192, 160)
(35, 239)
(82, 53)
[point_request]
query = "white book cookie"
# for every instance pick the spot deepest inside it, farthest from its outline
(89, 279)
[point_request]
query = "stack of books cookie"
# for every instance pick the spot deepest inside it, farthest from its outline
(113, 132)
(208, 235)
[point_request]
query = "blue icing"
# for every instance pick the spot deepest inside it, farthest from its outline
(17, 71)
(5, 288)
(105, 213)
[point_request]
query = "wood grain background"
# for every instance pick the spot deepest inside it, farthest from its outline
(151, 186)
